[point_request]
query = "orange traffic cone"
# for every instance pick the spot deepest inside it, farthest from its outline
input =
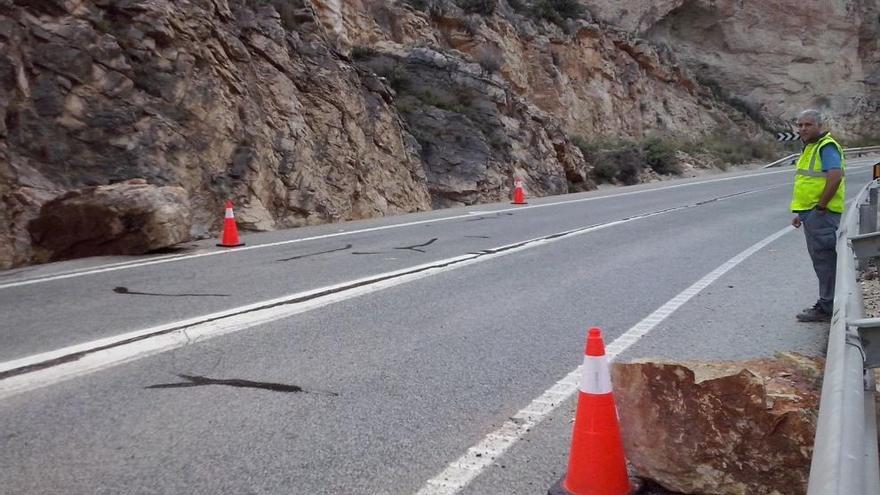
(596, 465)
(230, 230)
(519, 193)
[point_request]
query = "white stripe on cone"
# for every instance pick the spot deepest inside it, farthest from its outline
(229, 213)
(596, 375)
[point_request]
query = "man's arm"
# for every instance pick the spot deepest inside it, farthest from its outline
(832, 182)
(831, 165)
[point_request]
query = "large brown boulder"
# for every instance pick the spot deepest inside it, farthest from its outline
(721, 428)
(131, 217)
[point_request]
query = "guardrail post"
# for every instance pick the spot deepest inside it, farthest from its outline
(872, 200)
(872, 460)
(865, 218)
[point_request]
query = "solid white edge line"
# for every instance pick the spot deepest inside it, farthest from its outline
(460, 472)
(228, 321)
(55, 354)
(96, 360)
(173, 258)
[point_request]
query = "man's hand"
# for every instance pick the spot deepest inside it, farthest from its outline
(796, 221)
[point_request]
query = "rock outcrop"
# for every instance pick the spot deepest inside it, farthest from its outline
(727, 428)
(595, 80)
(312, 111)
(124, 218)
(473, 133)
(776, 56)
(218, 98)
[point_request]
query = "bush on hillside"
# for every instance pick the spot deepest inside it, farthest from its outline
(421, 5)
(557, 11)
(481, 7)
(660, 156)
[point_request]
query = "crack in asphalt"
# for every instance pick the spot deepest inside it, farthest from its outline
(414, 247)
(348, 246)
(201, 381)
(496, 217)
(125, 290)
(295, 300)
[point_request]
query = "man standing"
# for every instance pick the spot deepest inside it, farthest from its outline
(819, 189)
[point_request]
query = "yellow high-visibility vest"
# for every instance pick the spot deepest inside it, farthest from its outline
(809, 181)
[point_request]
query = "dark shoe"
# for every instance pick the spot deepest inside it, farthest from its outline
(814, 314)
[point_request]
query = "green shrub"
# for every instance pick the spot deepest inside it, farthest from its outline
(587, 148)
(406, 104)
(622, 161)
(613, 161)
(629, 161)
(421, 5)
(604, 172)
(399, 80)
(459, 105)
(660, 156)
(489, 59)
(363, 52)
(481, 7)
(732, 148)
(569, 9)
(517, 5)
(557, 11)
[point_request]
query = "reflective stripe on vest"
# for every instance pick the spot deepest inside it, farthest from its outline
(810, 173)
(809, 183)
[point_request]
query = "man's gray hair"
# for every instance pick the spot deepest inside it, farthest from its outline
(814, 115)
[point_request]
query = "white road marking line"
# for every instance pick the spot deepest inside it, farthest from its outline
(460, 472)
(62, 364)
(173, 258)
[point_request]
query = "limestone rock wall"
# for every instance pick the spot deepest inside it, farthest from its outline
(213, 96)
(313, 111)
(779, 56)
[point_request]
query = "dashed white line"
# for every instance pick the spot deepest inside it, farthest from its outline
(460, 472)
(43, 369)
(46, 368)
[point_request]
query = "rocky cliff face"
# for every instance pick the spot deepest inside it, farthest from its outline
(217, 98)
(312, 111)
(593, 79)
(778, 56)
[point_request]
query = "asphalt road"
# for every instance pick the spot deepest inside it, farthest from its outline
(378, 391)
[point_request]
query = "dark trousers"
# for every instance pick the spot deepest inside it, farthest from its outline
(820, 231)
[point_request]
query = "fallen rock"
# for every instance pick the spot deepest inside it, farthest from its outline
(130, 217)
(721, 428)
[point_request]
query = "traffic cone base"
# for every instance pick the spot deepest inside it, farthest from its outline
(559, 489)
(230, 229)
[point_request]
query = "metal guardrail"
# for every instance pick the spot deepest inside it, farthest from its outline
(845, 460)
(791, 159)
